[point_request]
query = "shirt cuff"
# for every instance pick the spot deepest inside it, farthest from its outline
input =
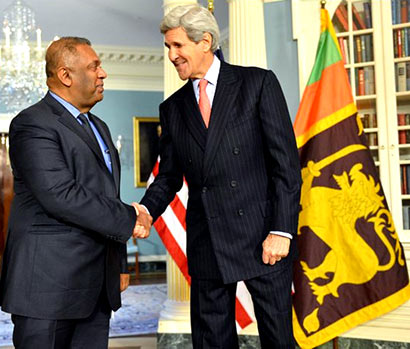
(145, 207)
(281, 233)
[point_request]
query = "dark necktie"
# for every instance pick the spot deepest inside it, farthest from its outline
(87, 127)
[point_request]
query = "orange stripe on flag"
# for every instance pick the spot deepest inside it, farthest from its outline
(323, 98)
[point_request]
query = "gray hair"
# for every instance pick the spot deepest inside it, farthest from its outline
(195, 20)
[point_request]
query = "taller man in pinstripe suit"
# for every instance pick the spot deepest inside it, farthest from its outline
(243, 175)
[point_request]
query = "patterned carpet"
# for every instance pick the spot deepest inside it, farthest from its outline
(138, 315)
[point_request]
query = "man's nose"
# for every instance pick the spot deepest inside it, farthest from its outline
(172, 55)
(102, 74)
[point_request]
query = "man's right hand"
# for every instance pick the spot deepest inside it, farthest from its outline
(143, 224)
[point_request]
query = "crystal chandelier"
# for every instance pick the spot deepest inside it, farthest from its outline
(22, 75)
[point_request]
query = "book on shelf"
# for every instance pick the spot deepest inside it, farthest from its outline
(343, 49)
(360, 83)
(404, 42)
(395, 45)
(407, 171)
(401, 77)
(347, 50)
(408, 76)
(399, 45)
(358, 49)
(368, 80)
(403, 178)
(372, 139)
(406, 216)
(369, 47)
(341, 18)
(364, 48)
(398, 11)
(403, 11)
(407, 38)
(367, 14)
(357, 17)
(372, 89)
(364, 119)
(401, 121)
(369, 120)
(372, 120)
(393, 12)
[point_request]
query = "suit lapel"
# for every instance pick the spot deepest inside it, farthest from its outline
(115, 161)
(191, 115)
(70, 122)
(227, 89)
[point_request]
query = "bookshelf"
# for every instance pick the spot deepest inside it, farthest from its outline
(376, 40)
(395, 20)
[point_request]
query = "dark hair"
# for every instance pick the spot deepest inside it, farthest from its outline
(60, 50)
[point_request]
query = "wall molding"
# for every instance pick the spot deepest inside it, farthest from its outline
(132, 68)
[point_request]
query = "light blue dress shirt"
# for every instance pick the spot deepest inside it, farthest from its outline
(75, 112)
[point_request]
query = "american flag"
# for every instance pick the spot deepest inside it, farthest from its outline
(171, 228)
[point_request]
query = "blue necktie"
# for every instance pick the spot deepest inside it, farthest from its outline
(87, 127)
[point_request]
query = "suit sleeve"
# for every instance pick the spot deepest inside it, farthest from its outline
(283, 159)
(169, 179)
(38, 160)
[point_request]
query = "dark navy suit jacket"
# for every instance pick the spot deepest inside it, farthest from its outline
(242, 172)
(67, 227)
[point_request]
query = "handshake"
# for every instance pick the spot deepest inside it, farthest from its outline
(143, 224)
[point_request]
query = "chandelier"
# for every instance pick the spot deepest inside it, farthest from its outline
(22, 75)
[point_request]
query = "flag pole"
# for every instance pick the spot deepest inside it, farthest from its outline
(322, 3)
(211, 6)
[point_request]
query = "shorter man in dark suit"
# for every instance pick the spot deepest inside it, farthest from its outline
(228, 131)
(68, 227)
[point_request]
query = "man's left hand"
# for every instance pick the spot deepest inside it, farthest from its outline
(275, 247)
(124, 281)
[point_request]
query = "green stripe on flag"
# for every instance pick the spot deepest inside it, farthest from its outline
(326, 55)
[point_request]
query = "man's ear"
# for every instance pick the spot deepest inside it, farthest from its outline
(63, 74)
(207, 42)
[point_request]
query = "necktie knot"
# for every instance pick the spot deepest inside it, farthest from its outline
(84, 119)
(202, 85)
(87, 127)
(204, 104)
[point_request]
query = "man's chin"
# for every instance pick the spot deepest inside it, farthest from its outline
(182, 75)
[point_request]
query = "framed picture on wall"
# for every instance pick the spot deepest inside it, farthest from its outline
(146, 148)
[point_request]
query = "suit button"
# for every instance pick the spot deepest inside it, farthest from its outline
(190, 161)
(235, 151)
(204, 190)
(241, 212)
(234, 184)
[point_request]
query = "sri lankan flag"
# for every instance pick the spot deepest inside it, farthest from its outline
(351, 266)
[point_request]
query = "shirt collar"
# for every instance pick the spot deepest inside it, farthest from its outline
(212, 73)
(73, 110)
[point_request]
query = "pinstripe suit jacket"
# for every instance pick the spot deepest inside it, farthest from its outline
(242, 172)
